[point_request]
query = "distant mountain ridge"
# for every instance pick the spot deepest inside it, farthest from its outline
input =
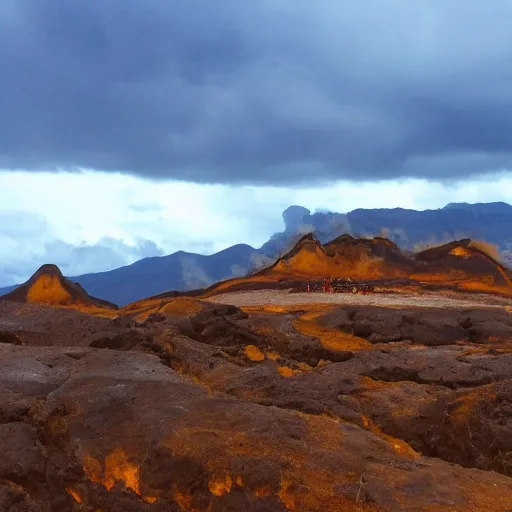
(177, 271)
(409, 229)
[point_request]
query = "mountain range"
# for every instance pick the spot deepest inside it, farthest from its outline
(410, 229)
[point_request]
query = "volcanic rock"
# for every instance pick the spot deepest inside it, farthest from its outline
(123, 432)
(182, 404)
(49, 286)
(459, 265)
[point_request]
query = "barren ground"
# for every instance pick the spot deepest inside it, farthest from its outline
(432, 300)
(299, 402)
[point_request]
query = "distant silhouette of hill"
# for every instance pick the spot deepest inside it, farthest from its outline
(178, 271)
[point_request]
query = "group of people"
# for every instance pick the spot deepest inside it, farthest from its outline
(330, 284)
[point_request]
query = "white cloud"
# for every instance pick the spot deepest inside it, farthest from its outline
(63, 215)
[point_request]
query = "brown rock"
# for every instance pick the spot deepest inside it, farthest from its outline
(215, 408)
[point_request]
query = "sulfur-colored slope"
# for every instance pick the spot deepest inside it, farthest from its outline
(331, 339)
(141, 310)
(344, 257)
(359, 259)
(307, 324)
(308, 259)
(49, 287)
(461, 265)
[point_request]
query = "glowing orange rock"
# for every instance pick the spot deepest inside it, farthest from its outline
(182, 498)
(254, 353)
(286, 496)
(74, 494)
(220, 484)
(117, 469)
(49, 290)
(273, 356)
(285, 371)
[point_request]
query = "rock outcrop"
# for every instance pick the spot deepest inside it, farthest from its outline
(463, 265)
(181, 404)
(49, 286)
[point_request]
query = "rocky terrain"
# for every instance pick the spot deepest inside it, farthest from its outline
(187, 404)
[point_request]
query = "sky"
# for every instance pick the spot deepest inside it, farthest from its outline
(134, 129)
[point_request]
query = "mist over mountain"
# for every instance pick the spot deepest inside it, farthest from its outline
(410, 229)
(298, 221)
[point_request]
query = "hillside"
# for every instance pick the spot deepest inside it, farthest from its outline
(458, 265)
(344, 256)
(49, 287)
(264, 400)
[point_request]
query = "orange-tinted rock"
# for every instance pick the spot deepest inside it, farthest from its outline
(182, 405)
(343, 257)
(48, 286)
(463, 265)
(123, 432)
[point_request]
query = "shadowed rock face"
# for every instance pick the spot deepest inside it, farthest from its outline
(49, 286)
(184, 405)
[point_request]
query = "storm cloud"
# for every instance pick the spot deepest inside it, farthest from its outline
(267, 92)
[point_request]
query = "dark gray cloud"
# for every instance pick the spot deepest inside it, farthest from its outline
(272, 91)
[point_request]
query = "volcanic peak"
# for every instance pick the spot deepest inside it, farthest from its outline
(49, 286)
(48, 269)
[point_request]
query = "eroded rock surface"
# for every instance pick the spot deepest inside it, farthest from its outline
(184, 405)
